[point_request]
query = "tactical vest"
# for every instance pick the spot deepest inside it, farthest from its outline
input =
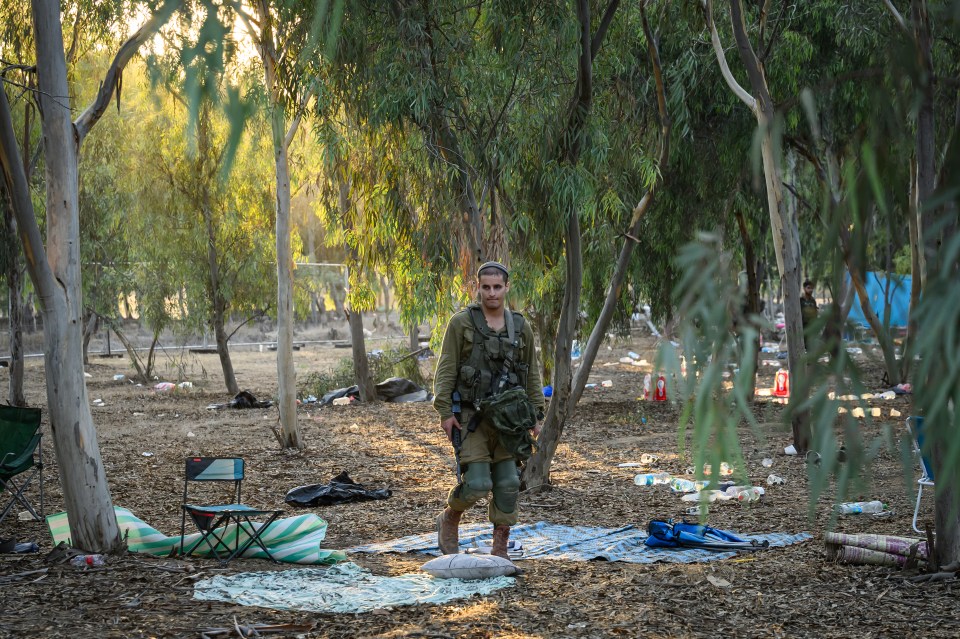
(493, 364)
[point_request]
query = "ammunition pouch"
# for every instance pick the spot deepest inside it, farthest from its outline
(512, 415)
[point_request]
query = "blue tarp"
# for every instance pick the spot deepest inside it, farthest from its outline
(898, 295)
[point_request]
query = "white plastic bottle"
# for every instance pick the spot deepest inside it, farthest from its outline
(680, 485)
(853, 508)
(753, 493)
(81, 561)
(649, 479)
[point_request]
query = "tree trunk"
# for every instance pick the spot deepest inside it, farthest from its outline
(223, 348)
(752, 302)
(783, 226)
(90, 327)
(14, 305)
(537, 470)
(414, 338)
(883, 336)
(361, 365)
(626, 251)
(286, 373)
(86, 494)
(916, 278)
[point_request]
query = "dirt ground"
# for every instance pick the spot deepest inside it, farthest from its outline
(782, 592)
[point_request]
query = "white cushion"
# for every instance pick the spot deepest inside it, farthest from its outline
(469, 567)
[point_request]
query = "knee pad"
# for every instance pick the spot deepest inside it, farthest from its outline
(476, 482)
(506, 485)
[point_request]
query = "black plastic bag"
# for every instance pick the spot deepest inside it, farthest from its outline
(340, 490)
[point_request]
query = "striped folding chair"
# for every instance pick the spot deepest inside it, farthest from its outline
(228, 530)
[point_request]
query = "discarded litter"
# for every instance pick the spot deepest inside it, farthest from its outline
(649, 479)
(147, 454)
(633, 355)
(341, 489)
(626, 360)
(680, 485)
(887, 395)
(858, 507)
(751, 494)
(185, 385)
(647, 458)
(775, 480)
(119, 377)
(767, 462)
(790, 450)
(607, 383)
(84, 561)
(164, 387)
(342, 401)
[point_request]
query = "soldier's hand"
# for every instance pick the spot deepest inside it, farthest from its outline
(448, 425)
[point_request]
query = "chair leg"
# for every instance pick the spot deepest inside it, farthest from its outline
(916, 509)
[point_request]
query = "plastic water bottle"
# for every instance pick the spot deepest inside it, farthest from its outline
(754, 493)
(649, 479)
(857, 507)
(81, 561)
(680, 485)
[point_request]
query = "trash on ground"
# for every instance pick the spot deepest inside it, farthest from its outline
(650, 479)
(767, 462)
(647, 458)
(790, 450)
(164, 387)
(340, 490)
(342, 401)
(860, 507)
(119, 377)
(242, 400)
(775, 480)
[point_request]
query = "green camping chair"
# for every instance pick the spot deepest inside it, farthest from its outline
(19, 441)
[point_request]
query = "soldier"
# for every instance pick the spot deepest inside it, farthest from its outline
(488, 394)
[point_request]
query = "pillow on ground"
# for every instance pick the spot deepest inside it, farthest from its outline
(469, 567)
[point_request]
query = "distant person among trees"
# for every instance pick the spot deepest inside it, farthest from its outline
(808, 309)
(490, 400)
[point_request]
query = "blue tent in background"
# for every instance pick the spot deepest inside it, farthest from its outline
(898, 295)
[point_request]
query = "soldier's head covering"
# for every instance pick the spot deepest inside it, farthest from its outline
(487, 268)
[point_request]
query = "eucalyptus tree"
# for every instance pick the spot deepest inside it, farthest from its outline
(54, 267)
(212, 227)
(786, 241)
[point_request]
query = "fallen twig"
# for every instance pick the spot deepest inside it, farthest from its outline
(14, 577)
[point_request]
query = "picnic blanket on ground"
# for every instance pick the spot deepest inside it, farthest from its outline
(543, 540)
(293, 539)
(342, 588)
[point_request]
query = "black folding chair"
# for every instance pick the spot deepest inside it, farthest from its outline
(21, 458)
(214, 521)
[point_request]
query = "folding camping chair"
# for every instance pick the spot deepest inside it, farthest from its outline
(19, 440)
(210, 518)
(926, 478)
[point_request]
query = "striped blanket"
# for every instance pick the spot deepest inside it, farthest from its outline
(292, 540)
(543, 540)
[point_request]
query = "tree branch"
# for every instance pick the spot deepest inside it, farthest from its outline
(598, 37)
(896, 16)
(731, 81)
(15, 182)
(112, 79)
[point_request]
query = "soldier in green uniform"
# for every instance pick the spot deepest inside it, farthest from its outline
(487, 353)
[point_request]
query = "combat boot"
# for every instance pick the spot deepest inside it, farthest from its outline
(448, 531)
(501, 535)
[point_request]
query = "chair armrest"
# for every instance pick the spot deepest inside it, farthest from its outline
(23, 456)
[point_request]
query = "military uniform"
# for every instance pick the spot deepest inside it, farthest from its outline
(473, 360)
